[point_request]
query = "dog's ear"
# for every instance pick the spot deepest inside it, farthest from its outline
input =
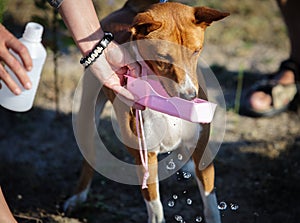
(143, 24)
(204, 16)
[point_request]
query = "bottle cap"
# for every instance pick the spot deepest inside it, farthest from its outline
(33, 32)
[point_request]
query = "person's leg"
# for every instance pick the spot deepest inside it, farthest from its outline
(260, 100)
(5, 214)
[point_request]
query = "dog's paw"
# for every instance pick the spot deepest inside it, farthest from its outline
(77, 199)
(212, 215)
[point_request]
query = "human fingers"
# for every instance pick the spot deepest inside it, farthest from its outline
(9, 82)
(9, 41)
(16, 68)
(119, 58)
(134, 69)
(124, 95)
(22, 51)
(113, 82)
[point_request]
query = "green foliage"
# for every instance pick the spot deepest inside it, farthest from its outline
(239, 88)
(56, 31)
(3, 4)
(41, 4)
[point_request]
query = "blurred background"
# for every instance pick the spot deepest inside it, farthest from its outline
(257, 167)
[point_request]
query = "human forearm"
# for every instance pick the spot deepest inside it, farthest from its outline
(81, 19)
(111, 64)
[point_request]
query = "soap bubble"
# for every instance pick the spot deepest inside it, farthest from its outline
(171, 165)
(179, 156)
(198, 219)
(178, 218)
(189, 201)
(186, 175)
(222, 206)
(175, 197)
(171, 203)
(234, 207)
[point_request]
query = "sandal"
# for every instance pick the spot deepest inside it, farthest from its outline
(282, 95)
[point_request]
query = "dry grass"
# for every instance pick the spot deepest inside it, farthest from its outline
(253, 21)
(251, 24)
(257, 166)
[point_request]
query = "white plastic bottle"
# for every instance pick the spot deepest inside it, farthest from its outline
(31, 38)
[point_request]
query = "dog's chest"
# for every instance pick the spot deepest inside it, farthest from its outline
(165, 133)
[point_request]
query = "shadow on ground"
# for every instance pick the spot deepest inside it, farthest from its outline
(257, 170)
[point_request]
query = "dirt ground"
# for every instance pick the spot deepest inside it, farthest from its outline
(257, 166)
(257, 169)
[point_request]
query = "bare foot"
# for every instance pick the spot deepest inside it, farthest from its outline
(261, 101)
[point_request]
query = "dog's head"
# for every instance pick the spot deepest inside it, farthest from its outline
(175, 36)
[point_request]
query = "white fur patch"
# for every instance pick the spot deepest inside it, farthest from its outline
(166, 133)
(186, 86)
(155, 211)
(188, 83)
(76, 199)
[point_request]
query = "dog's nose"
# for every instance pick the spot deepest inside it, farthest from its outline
(189, 94)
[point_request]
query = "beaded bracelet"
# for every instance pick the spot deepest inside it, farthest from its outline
(97, 51)
(55, 3)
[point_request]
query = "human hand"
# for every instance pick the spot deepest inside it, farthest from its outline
(110, 68)
(8, 41)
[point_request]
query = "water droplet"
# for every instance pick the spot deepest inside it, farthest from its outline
(178, 218)
(179, 156)
(234, 207)
(171, 165)
(222, 206)
(198, 219)
(186, 175)
(175, 197)
(171, 203)
(189, 201)
(184, 192)
(255, 214)
(169, 152)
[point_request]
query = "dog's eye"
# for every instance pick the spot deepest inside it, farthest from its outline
(196, 52)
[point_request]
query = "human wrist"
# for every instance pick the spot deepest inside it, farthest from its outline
(97, 50)
(90, 42)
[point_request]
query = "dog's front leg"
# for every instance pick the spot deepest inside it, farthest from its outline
(155, 211)
(86, 135)
(151, 193)
(206, 180)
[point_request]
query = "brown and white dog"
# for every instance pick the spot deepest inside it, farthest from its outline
(178, 24)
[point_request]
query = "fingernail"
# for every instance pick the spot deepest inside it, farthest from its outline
(29, 68)
(17, 91)
(28, 85)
